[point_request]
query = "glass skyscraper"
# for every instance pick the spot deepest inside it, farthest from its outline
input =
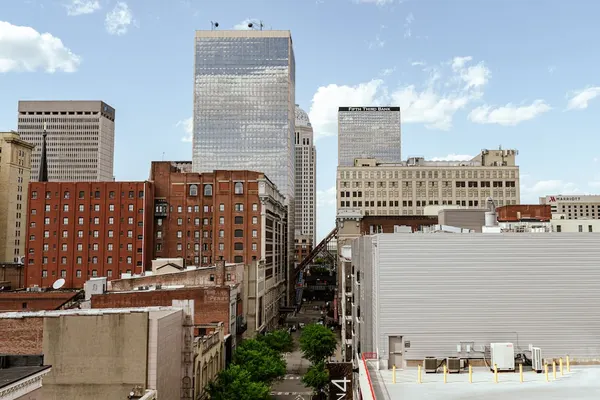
(244, 107)
(369, 132)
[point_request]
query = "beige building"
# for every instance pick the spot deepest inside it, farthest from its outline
(15, 169)
(81, 138)
(306, 179)
(573, 206)
(407, 188)
(209, 358)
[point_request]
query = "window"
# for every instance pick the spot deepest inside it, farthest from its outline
(212, 277)
(228, 277)
(222, 220)
(81, 208)
(63, 260)
(109, 273)
(80, 220)
(254, 246)
(111, 194)
(65, 207)
(179, 234)
(111, 220)
(111, 207)
(67, 195)
(255, 220)
(208, 190)
(221, 246)
(129, 260)
(197, 221)
(205, 221)
(590, 228)
(46, 221)
(65, 221)
(46, 246)
(46, 234)
(221, 207)
(79, 260)
(63, 273)
(34, 195)
(129, 234)
(580, 228)
(131, 194)
(179, 209)
(130, 220)
(205, 208)
(109, 247)
(95, 246)
(255, 207)
(96, 234)
(78, 273)
(79, 234)
(81, 194)
(238, 246)
(65, 234)
(196, 209)
(47, 208)
(33, 212)
(254, 233)
(111, 234)
(109, 260)
(96, 221)
(238, 188)
(44, 273)
(239, 220)
(94, 273)
(238, 233)
(96, 207)
(238, 259)
(94, 260)
(193, 190)
(179, 221)
(64, 247)
(79, 247)
(130, 208)
(239, 207)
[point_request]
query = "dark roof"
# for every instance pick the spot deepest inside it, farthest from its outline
(15, 374)
(179, 267)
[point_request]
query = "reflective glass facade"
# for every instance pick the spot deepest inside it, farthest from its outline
(244, 106)
(369, 132)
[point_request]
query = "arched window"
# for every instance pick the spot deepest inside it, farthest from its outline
(193, 190)
(238, 188)
(208, 190)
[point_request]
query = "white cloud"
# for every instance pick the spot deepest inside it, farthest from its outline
(551, 69)
(376, 2)
(377, 42)
(188, 126)
(579, 99)
(243, 26)
(80, 7)
(24, 49)
(418, 63)
(453, 157)
(326, 210)
(595, 185)
(473, 76)
(434, 105)
(119, 19)
(530, 193)
(410, 18)
(508, 115)
(387, 71)
(326, 197)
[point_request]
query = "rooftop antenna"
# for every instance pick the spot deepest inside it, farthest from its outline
(163, 156)
(213, 25)
(58, 284)
(256, 25)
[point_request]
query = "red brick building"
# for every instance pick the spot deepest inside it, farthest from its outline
(36, 301)
(372, 224)
(78, 230)
(235, 216)
(524, 212)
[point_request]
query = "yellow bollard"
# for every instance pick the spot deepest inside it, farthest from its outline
(445, 374)
(419, 378)
(495, 373)
(394, 373)
(521, 372)
(470, 374)
(568, 365)
(546, 370)
(561, 367)
(554, 369)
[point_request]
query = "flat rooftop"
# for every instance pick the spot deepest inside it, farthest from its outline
(87, 311)
(13, 375)
(583, 382)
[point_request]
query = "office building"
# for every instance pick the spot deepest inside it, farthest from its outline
(244, 107)
(79, 230)
(369, 132)
(577, 206)
(306, 184)
(15, 169)
(406, 188)
(81, 138)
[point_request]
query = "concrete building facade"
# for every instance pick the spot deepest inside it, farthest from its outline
(79, 230)
(369, 132)
(573, 206)
(244, 108)
(81, 138)
(407, 188)
(15, 170)
(209, 359)
(306, 179)
(418, 295)
(100, 354)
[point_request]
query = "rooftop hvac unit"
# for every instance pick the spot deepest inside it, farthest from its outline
(503, 356)
(430, 365)
(453, 364)
(537, 363)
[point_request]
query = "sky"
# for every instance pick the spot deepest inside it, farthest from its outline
(467, 74)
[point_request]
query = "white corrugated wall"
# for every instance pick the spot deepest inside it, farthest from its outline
(437, 290)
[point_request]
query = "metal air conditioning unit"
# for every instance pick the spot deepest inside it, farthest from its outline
(537, 362)
(453, 364)
(503, 356)
(430, 365)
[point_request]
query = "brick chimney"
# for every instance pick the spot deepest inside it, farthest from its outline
(220, 272)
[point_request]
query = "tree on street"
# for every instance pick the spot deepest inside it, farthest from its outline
(236, 383)
(317, 378)
(280, 341)
(317, 343)
(262, 362)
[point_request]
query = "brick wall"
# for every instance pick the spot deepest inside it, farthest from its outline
(34, 301)
(387, 222)
(21, 335)
(210, 304)
(13, 273)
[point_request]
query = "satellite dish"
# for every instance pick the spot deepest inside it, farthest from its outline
(250, 25)
(58, 284)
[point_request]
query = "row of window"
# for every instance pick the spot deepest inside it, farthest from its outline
(79, 260)
(238, 188)
(81, 208)
(238, 233)
(95, 221)
(238, 220)
(96, 234)
(95, 247)
(95, 194)
(63, 273)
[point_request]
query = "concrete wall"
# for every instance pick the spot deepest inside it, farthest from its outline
(472, 219)
(438, 290)
(168, 351)
(573, 225)
(95, 356)
(13, 273)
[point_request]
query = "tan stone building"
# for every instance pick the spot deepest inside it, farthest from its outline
(15, 169)
(406, 188)
(209, 358)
